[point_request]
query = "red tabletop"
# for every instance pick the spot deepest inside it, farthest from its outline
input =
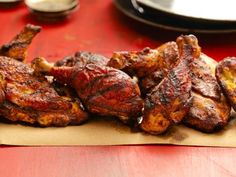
(99, 27)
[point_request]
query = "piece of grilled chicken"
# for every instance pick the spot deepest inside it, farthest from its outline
(203, 77)
(210, 110)
(28, 98)
(149, 65)
(17, 47)
(103, 90)
(226, 76)
(82, 58)
(147, 61)
(169, 101)
(33, 100)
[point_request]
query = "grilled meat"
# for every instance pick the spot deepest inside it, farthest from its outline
(149, 65)
(204, 80)
(28, 98)
(226, 74)
(206, 114)
(210, 111)
(2, 88)
(103, 90)
(170, 101)
(17, 48)
(147, 61)
(149, 82)
(179, 81)
(83, 58)
(32, 99)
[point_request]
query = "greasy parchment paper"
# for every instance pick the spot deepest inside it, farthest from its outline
(111, 132)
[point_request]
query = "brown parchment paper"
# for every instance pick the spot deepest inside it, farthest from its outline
(111, 132)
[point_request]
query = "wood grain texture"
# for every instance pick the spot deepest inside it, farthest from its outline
(98, 27)
(117, 161)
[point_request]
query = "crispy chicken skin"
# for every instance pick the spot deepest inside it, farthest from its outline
(204, 80)
(226, 76)
(149, 65)
(17, 47)
(147, 61)
(179, 83)
(82, 58)
(206, 114)
(149, 82)
(28, 98)
(170, 101)
(209, 112)
(2, 88)
(32, 99)
(103, 90)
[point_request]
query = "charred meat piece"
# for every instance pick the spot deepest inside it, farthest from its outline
(170, 101)
(83, 58)
(146, 61)
(17, 48)
(32, 99)
(209, 112)
(204, 80)
(206, 114)
(103, 90)
(2, 88)
(149, 65)
(226, 76)
(149, 82)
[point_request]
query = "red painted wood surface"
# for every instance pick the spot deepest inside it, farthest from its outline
(98, 27)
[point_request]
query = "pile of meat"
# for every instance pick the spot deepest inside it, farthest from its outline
(152, 89)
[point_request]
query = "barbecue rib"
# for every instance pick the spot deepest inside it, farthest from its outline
(226, 74)
(17, 48)
(103, 90)
(170, 100)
